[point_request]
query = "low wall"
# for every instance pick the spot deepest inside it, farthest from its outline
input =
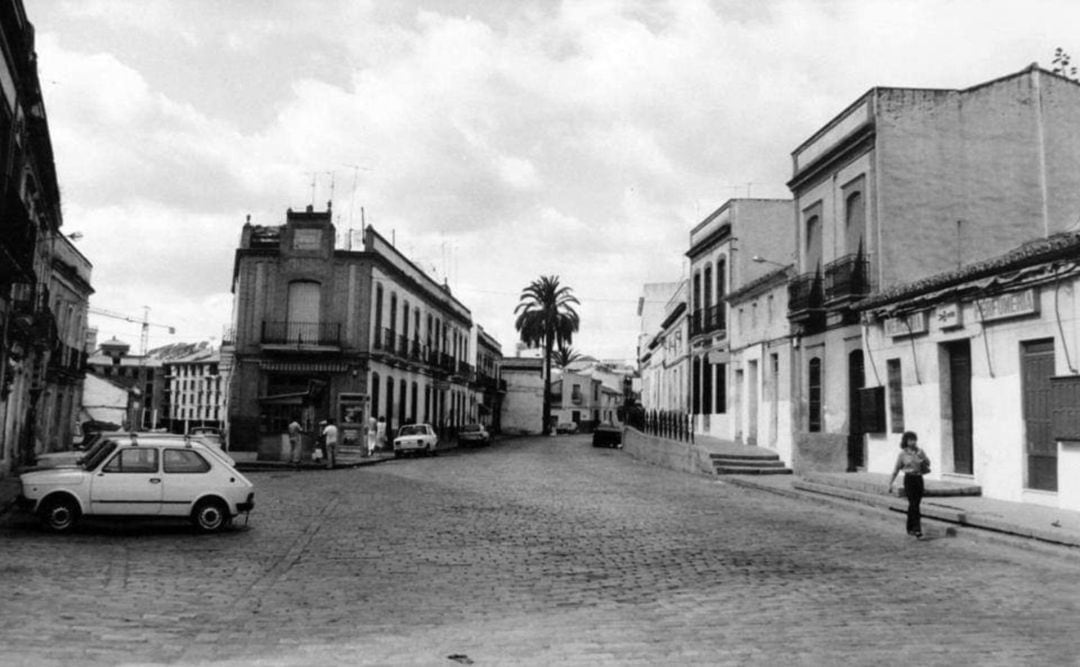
(681, 456)
(819, 452)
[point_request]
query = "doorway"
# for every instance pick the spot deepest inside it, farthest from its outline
(856, 381)
(752, 389)
(959, 353)
(1037, 360)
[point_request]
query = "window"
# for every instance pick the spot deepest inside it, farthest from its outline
(184, 461)
(896, 396)
(695, 390)
(721, 389)
(814, 408)
(706, 385)
(707, 302)
(378, 315)
(854, 216)
(812, 251)
(133, 459)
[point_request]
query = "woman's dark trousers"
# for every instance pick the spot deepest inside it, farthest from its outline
(913, 489)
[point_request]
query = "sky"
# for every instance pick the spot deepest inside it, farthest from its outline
(494, 142)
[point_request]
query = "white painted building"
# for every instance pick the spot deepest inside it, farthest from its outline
(983, 363)
(760, 360)
(663, 362)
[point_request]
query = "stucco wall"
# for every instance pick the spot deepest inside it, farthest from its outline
(523, 404)
(682, 456)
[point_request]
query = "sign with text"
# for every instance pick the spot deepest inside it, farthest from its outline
(915, 323)
(1012, 304)
(949, 316)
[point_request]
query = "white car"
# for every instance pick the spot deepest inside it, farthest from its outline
(143, 475)
(415, 438)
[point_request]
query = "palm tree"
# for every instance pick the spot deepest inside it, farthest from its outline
(564, 356)
(546, 317)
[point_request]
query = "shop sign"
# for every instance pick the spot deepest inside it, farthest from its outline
(915, 323)
(949, 316)
(1012, 304)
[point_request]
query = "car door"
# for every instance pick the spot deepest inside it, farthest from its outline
(128, 483)
(186, 474)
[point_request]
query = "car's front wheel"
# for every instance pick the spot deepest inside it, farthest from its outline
(60, 514)
(210, 516)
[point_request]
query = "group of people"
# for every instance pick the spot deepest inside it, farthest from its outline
(328, 437)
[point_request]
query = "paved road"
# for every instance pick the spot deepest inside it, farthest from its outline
(532, 551)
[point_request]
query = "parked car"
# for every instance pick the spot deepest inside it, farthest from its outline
(74, 458)
(566, 427)
(473, 434)
(607, 435)
(415, 438)
(140, 475)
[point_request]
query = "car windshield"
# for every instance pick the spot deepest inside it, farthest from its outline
(96, 455)
(417, 429)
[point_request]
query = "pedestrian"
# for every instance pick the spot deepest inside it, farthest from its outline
(372, 435)
(914, 463)
(330, 441)
(296, 448)
(380, 433)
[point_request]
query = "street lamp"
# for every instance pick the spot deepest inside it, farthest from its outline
(761, 260)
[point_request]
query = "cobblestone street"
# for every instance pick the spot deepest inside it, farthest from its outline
(531, 551)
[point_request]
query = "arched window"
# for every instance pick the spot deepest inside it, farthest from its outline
(375, 395)
(392, 324)
(854, 222)
(378, 316)
(813, 243)
(814, 395)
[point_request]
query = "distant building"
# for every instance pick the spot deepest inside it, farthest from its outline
(144, 377)
(489, 386)
(345, 335)
(722, 253)
(664, 361)
(523, 403)
(195, 388)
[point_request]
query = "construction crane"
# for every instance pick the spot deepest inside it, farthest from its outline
(144, 322)
(139, 416)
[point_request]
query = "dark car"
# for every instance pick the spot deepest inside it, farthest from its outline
(607, 435)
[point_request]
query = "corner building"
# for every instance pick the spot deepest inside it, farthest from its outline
(901, 185)
(347, 335)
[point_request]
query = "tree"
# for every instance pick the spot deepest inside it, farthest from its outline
(546, 318)
(1063, 64)
(564, 356)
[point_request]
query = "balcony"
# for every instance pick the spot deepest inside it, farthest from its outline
(311, 334)
(709, 320)
(846, 280)
(806, 300)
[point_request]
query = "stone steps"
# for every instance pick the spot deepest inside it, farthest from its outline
(748, 464)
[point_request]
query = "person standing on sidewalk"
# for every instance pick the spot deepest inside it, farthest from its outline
(914, 463)
(295, 446)
(330, 440)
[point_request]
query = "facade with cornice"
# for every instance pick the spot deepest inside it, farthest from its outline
(663, 359)
(343, 335)
(722, 251)
(906, 183)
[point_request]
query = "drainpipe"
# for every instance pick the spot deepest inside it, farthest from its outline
(1040, 132)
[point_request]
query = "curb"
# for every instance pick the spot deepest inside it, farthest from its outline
(953, 522)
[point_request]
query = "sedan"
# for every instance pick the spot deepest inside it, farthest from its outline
(473, 434)
(140, 475)
(415, 438)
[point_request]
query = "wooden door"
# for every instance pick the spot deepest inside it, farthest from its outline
(960, 401)
(1041, 448)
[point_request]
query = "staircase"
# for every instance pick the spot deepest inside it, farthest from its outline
(764, 463)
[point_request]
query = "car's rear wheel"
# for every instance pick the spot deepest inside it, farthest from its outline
(60, 514)
(210, 515)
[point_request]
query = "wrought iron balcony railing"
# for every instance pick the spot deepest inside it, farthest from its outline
(301, 333)
(847, 278)
(805, 295)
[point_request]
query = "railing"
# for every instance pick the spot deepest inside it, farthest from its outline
(708, 320)
(301, 333)
(67, 358)
(847, 277)
(670, 424)
(402, 346)
(805, 293)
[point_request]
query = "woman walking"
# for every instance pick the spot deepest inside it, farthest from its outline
(914, 463)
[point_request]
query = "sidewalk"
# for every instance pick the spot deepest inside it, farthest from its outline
(951, 503)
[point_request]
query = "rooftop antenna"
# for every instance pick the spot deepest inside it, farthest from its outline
(331, 187)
